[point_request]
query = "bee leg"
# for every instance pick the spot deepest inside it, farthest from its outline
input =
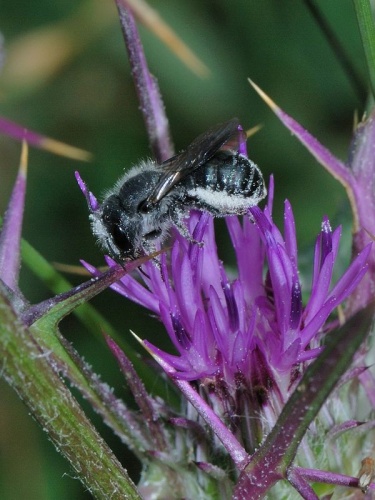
(183, 230)
(149, 247)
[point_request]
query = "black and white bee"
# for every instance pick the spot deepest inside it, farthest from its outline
(210, 175)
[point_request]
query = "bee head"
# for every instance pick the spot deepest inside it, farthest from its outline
(117, 233)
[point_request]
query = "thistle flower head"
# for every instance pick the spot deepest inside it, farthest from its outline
(245, 339)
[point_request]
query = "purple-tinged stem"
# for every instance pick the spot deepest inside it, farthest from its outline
(10, 236)
(333, 165)
(20, 133)
(233, 447)
(196, 429)
(322, 476)
(150, 18)
(213, 471)
(65, 360)
(301, 485)
(139, 392)
(64, 303)
(151, 103)
(339, 429)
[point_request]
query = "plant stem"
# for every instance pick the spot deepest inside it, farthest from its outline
(29, 371)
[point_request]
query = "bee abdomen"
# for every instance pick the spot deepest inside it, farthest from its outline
(230, 174)
(227, 184)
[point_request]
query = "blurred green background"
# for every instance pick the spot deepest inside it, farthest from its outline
(66, 75)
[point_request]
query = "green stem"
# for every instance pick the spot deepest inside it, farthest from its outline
(367, 29)
(27, 368)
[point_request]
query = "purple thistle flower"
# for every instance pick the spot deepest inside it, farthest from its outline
(241, 345)
(356, 176)
(245, 340)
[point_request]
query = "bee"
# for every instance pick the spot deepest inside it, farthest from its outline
(210, 175)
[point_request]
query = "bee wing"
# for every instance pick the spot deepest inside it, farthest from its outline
(223, 136)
